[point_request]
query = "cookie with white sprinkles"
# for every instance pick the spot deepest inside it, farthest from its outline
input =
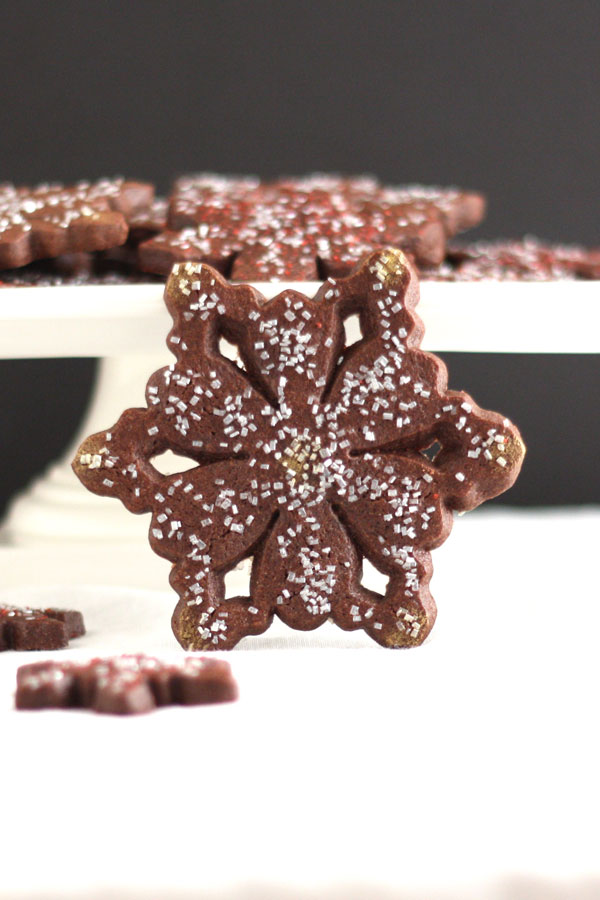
(54, 219)
(528, 259)
(303, 229)
(309, 455)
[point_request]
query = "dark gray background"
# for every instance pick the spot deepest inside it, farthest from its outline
(500, 96)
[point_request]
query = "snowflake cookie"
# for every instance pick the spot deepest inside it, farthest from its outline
(309, 455)
(303, 229)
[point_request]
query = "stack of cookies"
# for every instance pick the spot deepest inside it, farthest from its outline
(116, 231)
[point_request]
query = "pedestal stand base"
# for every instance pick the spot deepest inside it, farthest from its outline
(56, 506)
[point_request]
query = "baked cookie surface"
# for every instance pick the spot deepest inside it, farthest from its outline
(528, 259)
(308, 456)
(54, 219)
(23, 628)
(124, 685)
(304, 229)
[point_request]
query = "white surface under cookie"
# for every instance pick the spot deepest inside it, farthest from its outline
(462, 770)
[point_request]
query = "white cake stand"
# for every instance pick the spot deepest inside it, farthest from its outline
(126, 327)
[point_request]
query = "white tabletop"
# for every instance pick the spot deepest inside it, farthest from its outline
(467, 768)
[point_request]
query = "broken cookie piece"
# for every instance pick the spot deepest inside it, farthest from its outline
(38, 629)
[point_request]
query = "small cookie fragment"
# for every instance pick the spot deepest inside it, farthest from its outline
(124, 685)
(311, 456)
(38, 629)
(303, 229)
(53, 219)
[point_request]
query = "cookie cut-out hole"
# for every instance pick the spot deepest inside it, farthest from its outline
(372, 578)
(230, 351)
(169, 463)
(228, 264)
(237, 580)
(432, 451)
(352, 330)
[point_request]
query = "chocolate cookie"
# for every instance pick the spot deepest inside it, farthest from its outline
(143, 225)
(148, 220)
(124, 684)
(38, 629)
(525, 260)
(303, 229)
(310, 455)
(52, 219)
